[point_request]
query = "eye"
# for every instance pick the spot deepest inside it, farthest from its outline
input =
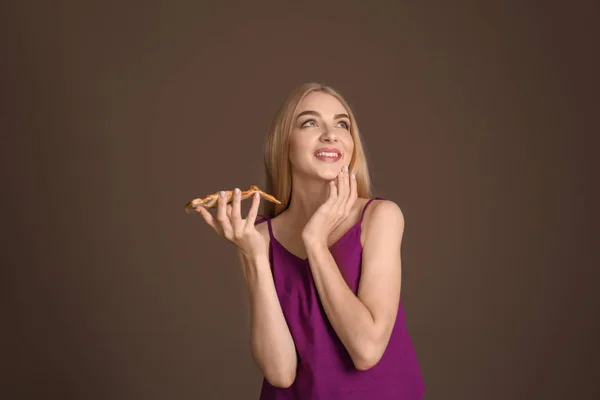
(306, 123)
(345, 125)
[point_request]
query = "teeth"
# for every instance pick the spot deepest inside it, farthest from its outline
(326, 154)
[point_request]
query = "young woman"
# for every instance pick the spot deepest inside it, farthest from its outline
(324, 272)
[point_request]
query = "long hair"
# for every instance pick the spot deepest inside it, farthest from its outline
(277, 149)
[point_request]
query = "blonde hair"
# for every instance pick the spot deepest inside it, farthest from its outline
(277, 163)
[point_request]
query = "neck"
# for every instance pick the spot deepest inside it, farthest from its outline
(307, 197)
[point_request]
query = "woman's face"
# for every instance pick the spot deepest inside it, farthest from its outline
(320, 139)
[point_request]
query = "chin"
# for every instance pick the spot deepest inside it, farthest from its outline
(328, 175)
(326, 171)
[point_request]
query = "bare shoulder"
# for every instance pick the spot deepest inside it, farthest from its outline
(383, 215)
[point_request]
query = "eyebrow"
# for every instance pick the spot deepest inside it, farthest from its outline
(309, 112)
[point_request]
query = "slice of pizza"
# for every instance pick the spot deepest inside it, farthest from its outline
(210, 201)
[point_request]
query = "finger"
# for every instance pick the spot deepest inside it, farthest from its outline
(208, 218)
(236, 215)
(346, 183)
(342, 188)
(253, 212)
(353, 191)
(222, 216)
(333, 192)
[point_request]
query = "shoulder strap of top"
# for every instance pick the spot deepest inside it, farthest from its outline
(262, 219)
(367, 205)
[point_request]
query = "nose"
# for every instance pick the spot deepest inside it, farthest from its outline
(329, 136)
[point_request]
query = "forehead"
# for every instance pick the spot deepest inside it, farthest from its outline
(323, 103)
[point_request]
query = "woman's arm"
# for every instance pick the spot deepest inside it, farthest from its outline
(272, 345)
(364, 323)
(271, 341)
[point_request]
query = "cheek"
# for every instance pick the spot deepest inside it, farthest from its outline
(298, 146)
(349, 146)
(298, 151)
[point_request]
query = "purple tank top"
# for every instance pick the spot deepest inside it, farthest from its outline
(325, 370)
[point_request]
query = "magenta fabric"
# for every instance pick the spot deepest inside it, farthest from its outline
(325, 369)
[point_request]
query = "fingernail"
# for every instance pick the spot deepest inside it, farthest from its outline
(222, 194)
(345, 168)
(237, 191)
(256, 195)
(354, 175)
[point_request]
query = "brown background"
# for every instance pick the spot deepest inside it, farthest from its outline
(478, 121)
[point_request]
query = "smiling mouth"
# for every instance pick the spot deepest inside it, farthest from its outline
(328, 156)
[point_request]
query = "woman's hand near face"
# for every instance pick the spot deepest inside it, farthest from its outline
(229, 224)
(334, 211)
